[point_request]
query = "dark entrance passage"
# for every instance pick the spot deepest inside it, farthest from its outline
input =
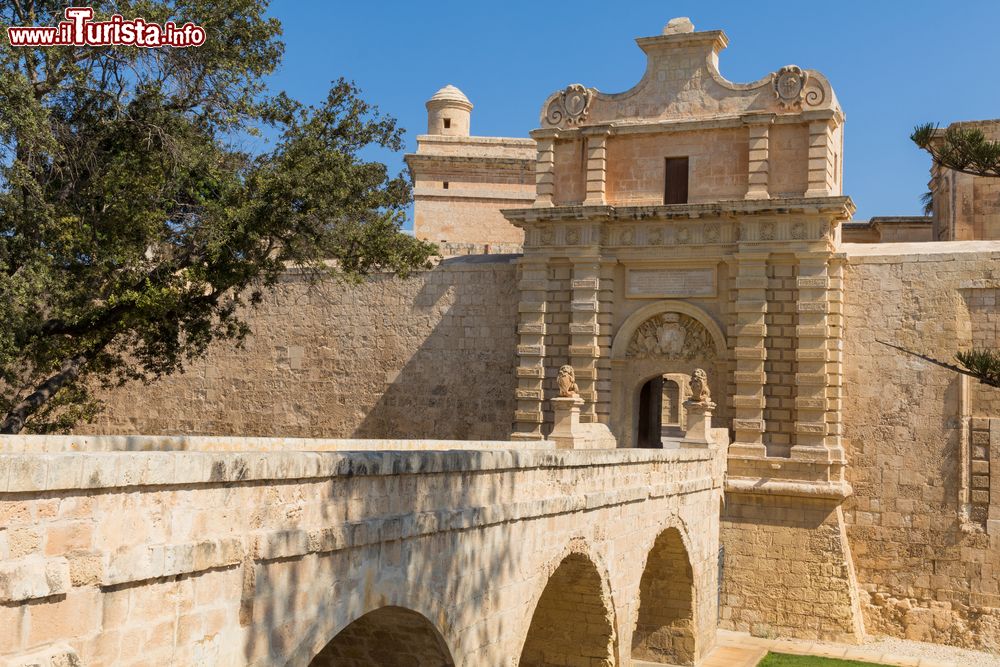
(651, 414)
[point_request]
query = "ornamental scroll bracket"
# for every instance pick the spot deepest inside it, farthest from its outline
(793, 87)
(569, 106)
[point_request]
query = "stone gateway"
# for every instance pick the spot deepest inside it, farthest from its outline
(640, 399)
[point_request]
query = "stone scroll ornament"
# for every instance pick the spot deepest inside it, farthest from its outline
(793, 87)
(570, 106)
(567, 382)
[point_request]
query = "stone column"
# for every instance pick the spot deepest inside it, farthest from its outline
(749, 352)
(545, 177)
(820, 158)
(584, 330)
(596, 167)
(530, 370)
(818, 359)
(759, 127)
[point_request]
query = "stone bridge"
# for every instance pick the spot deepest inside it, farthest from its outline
(228, 551)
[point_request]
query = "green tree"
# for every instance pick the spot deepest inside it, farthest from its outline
(966, 150)
(135, 226)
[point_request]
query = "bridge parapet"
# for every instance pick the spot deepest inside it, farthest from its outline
(261, 557)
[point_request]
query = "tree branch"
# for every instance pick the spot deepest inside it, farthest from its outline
(936, 362)
(18, 415)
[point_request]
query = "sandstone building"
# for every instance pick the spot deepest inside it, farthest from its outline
(461, 182)
(402, 460)
(966, 207)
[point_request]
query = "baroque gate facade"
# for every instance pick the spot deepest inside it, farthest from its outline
(691, 222)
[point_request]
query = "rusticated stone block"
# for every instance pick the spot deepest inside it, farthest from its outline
(33, 578)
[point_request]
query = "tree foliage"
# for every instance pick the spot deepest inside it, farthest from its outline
(135, 225)
(964, 149)
(983, 365)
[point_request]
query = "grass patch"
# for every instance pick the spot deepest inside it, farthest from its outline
(785, 660)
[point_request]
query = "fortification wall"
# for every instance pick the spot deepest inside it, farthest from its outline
(427, 357)
(914, 551)
(919, 439)
(432, 357)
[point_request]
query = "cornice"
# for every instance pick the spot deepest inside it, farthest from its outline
(840, 207)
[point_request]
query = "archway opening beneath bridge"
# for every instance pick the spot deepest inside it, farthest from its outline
(664, 630)
(572, 623)
(388, 637)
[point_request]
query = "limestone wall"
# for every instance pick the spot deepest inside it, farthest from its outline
(966, 207)
(461, 183)
(718, 165)
(918, 440)
(914, 551)
(787, 568)
(261, 558)
(428, 357)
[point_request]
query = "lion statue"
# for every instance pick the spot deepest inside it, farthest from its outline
(567, 382)
(700, 393)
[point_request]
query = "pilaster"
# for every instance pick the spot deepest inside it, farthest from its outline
(596, 167)
(759, 128)
(528, 415)
(819, 360)
(545, 176)
(584, 330)
(605, 312)
(820, 158)
(749, 353)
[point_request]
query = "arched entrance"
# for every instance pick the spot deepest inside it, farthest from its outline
(654, 353)
(388, 637)
(572, 623)
(662, 417)
(664, 630)
(650, 426)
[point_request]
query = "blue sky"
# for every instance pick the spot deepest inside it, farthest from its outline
(893, 64)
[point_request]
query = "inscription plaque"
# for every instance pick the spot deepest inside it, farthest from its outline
(671, 282)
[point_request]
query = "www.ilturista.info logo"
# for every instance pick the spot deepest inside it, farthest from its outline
(79, 30)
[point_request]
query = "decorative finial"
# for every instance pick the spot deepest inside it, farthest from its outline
(678, 26)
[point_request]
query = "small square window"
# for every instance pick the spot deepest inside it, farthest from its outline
(447, 123)
(445, 185)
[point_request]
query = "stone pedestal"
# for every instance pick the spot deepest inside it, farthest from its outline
(699, 424)
(568, 433)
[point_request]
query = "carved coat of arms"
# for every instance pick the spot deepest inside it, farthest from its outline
(570, 105)
(789, 86)
(671, 336)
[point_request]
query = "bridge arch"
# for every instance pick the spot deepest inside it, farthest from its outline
(573, 618)
(665, 620)
(388, 636)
